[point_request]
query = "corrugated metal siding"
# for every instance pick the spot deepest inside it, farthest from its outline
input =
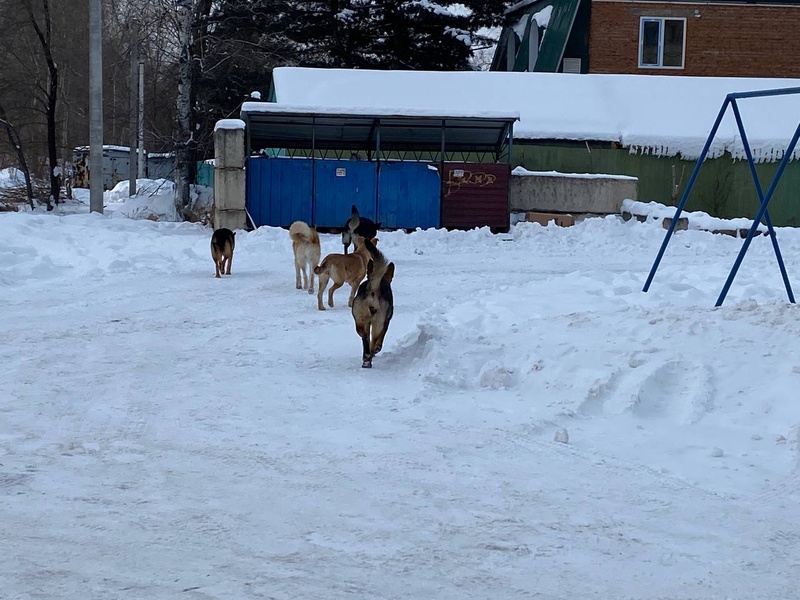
(724, 187)
(205, 174)
(338, 185)
(408, 195)
(278, 191)
(475, 195)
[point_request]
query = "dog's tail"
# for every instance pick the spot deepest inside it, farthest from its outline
(301, 232)
(322, 268)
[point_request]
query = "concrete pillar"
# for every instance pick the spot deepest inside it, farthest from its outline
(229, 175)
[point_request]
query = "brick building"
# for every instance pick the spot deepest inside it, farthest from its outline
(711, 39)
(724, 38)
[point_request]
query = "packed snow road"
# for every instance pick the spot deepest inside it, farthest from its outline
(165, 434)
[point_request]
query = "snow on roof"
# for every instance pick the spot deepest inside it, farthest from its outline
(662, 115)
(373, 111)
(106, 147)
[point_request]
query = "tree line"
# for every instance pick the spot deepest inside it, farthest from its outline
(201, 58)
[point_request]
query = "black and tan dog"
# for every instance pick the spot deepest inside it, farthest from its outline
(373, 305)
(358, 226)
(223, 241)
(343, 268)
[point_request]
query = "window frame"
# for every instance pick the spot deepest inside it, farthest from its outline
(661, 31)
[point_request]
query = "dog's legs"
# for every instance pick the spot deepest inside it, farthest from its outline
(216, 267)
(366, 357)
(298, 283)
(378, 333)
(334, 287)
(310, 279)
(323, 283)
(230, 259)
(353, 290)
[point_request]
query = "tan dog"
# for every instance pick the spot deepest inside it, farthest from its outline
(343, 268)
(223, 241)
(305, 245)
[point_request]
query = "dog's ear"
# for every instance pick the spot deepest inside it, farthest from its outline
(369, 268)
(374, 241)
(389, 274)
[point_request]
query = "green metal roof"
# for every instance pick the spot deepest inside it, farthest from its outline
(552, 43)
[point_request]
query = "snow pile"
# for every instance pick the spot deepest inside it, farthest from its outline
(154, 200)
(202, 199)
(662, 115)
(11, 178)
(698, 219)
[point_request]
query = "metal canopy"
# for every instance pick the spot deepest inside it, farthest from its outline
(309, 130)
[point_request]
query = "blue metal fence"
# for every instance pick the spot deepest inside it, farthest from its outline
(408, 195)
(279, 191)
(338, 184)
(321, 192)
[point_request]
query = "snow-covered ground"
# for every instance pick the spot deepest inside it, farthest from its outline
(154, 199)
(165, 434)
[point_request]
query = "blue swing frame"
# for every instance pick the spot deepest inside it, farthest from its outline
(763, 213)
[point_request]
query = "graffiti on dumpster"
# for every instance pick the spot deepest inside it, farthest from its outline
(456, 178)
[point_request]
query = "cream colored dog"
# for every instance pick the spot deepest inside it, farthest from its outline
(306, 248)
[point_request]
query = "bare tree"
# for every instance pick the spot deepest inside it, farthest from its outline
(191, 19)
(44, 33)
(14, 140)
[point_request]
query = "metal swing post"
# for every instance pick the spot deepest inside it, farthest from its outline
(762, 209)
(686, 192)
(749, 154)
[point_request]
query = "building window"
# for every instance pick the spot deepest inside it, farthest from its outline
(662, 43)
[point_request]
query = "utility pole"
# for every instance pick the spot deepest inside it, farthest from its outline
(140, 146)
(96, 105)
(133, 155)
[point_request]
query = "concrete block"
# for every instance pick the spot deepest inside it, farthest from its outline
(562, 220)
(232, 219)
(229, 148)
(229, 189)
(682, 225)
(576, 194)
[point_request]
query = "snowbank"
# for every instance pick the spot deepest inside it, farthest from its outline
(697, 219)
(154, 200)
(11, 178)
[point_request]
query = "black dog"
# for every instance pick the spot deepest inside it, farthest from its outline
(358, 226)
